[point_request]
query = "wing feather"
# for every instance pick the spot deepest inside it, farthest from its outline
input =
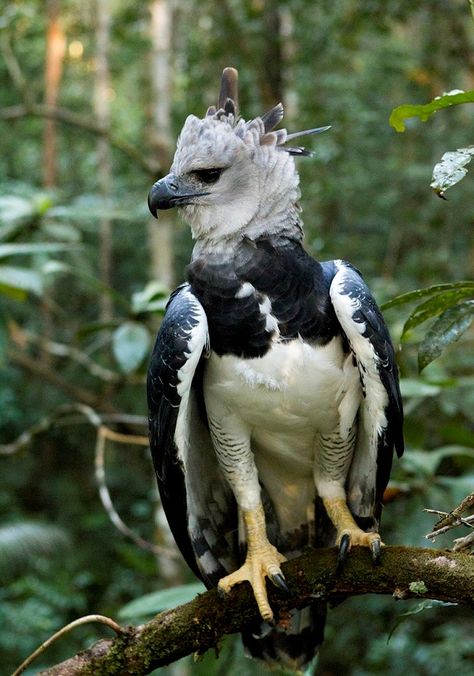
(380, 422)
(197, 501)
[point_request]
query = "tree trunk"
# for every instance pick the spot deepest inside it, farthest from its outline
(104, 167)
(55, 50)
(161, 233)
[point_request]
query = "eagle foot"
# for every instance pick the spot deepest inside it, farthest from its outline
(263, 560)
(349, 533)
(258, 565)
(356, 536)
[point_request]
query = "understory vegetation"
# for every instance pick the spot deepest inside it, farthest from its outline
(92, 97)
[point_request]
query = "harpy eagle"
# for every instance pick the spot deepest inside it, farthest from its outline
(274, 402)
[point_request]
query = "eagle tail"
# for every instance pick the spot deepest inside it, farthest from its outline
(293, 642)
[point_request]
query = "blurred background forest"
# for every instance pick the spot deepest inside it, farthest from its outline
(92, 97)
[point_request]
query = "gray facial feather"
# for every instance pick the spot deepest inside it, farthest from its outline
(256, 194)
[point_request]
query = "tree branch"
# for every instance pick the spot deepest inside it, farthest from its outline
(76, 392)
(198, 625)
(76, 120)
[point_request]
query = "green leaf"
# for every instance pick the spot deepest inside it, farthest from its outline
(407, 110)
(411, 296)
(130, 345)
(64, 232)
(448, 328)
(22, 279)
(152, 298)
(13, 292)
(435, 306)
(410, 387)
(426, 463)
(32, 248)
(154, 603)
(419, 608)
(451, 169)
(15, 210)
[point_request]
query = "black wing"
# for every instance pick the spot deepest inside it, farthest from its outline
(380, 428)
(199, 505)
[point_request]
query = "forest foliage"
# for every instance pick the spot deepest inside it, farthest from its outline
(85, 131)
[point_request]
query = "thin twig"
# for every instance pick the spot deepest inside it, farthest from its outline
(29, 107)
(87, 619)
(48, 421)
(76, 120)
(452, 519)
(471, 5)
(105, 433)
(62, 350)
(463, 543)
(76, 392)
(463, 506)
(14, 69)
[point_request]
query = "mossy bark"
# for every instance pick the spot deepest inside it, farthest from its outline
(405, 572)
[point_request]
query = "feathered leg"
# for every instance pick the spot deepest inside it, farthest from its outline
(231, 439)
(330, 472)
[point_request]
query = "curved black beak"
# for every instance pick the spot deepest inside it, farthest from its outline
(163, 194)
(168, 193)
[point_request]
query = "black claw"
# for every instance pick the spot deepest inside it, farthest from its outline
(376, 550)
(279, 581)
(344, 548)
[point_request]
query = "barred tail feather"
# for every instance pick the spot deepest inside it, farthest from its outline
(293, 645)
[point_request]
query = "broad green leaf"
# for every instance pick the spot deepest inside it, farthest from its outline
(411, 296)
(64, 232)
(9, 230)
(32, 248)
(410, 387)
(154, 603)
(85, 210)
(15, 210)
(23, 279)
(446, 330)
(13, 292)
(419, 608)
(130, 345)
(42, 202)
(451, 169)
(407, 110)
(150, 299)
(427, 462)
(435, 306)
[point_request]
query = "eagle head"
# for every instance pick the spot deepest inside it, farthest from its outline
(230, 177)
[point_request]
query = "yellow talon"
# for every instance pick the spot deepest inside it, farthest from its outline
(263, 560)
(348, 532)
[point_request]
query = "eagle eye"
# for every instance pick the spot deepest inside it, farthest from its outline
(208, 175)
